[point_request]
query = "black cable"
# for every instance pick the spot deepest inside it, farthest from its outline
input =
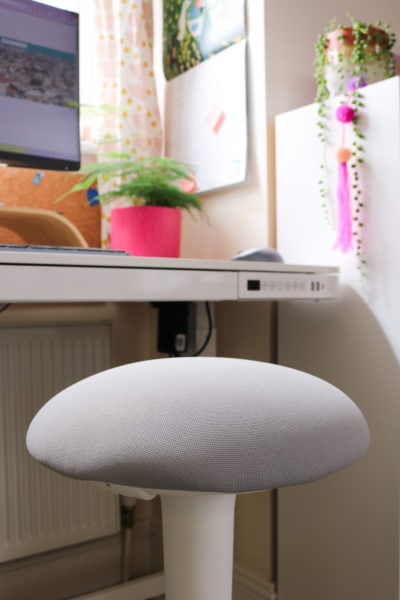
(209, 332)
(206, 341)
(4, 307)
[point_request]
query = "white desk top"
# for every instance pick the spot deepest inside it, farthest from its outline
(33, 276)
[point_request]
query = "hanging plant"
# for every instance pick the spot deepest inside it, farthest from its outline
(343, 52)
(347, 58)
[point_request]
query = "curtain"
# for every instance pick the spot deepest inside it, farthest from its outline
(124, 51)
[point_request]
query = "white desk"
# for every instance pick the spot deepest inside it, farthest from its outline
(27, 276)
(44, 277)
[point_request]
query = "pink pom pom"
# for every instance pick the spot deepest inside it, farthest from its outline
(345, 113)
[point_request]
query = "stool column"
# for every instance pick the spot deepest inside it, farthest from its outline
(198, 545)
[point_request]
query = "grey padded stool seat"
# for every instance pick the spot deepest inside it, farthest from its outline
(198, 431)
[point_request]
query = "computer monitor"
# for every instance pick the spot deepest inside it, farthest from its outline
(39, 86)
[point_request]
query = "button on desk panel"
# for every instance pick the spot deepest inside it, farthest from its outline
(61, 277)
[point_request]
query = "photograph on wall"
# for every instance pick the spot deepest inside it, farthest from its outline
(195, 30)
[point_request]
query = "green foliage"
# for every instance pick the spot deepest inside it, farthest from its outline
(357, 103)
(371, 44)
(153, 181)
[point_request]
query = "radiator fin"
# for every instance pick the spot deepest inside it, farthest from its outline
(40, 510)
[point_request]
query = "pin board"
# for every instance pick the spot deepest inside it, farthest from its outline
(206, 89)
(39, 189)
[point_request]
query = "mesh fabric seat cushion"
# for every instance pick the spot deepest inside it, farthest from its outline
(199, 424)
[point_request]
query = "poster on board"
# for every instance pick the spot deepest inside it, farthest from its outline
(204, 57)
(195, 30)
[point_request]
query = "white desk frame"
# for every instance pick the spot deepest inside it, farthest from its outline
(63, 277)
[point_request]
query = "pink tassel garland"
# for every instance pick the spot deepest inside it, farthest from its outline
(345, 237)
(345, 114)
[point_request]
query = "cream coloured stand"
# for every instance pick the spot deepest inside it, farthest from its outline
(40, 226)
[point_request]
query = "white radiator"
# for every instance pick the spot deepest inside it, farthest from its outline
(40, 510)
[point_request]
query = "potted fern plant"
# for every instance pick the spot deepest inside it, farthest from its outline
(153, 190)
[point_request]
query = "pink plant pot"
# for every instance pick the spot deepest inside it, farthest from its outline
(146, 230)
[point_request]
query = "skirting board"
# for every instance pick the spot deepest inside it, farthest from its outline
(246, 586)
(141, 588)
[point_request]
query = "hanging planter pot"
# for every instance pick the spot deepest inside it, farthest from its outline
(146, 230)
(361, 52)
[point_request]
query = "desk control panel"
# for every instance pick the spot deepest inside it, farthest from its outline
(284, 286)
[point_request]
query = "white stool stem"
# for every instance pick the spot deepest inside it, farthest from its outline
(198, 545)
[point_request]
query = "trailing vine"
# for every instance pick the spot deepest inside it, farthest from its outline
(357, 102)
(363, 49)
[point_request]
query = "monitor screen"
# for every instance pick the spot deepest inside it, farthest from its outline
(39, 86)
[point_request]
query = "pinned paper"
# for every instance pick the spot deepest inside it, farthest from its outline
(92, 196)
(215, 118)
(37, 178)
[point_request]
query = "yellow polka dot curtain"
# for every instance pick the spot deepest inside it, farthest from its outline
(124, 48)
